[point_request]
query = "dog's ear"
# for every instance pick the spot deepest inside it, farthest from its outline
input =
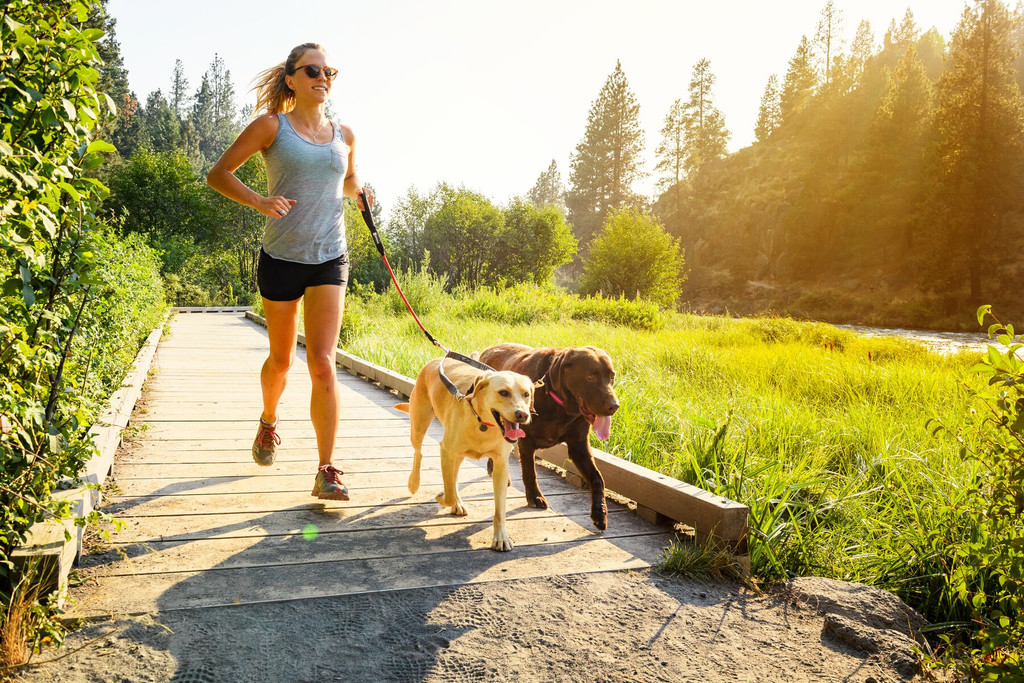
(478, 384)
(557, 369)
(533, 393)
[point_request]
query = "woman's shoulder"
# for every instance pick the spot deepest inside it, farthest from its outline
(346, 133)
(262, 130)
(266, 122)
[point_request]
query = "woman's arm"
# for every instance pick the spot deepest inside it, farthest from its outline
(257, 136)
(354, 186)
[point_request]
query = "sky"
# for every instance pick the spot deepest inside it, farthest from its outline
(486, 93)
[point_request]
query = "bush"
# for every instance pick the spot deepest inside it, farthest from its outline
(987, 572)
(129, 304)
(71, 296)
(634, 257)
(528, 304)
(423, 291)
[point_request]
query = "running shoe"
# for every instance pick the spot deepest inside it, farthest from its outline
(264, 448)
(328, 484)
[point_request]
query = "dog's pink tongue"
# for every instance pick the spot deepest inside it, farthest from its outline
(603, 427)
(513, 431)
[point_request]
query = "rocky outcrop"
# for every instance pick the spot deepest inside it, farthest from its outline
(864, 618)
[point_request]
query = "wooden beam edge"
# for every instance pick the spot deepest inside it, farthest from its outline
(57, 544)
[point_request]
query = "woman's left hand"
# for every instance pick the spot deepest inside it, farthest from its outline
(364, 192)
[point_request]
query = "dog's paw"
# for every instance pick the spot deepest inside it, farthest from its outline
(458, 507)
(538, 501)
(599, 516)
(501, 543)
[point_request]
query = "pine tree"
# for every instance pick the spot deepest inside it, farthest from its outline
(800, 82)
(898, 138)
(548, 190)
(607, 160)
(213, 113)
(980, 126)
(827, 42)
(706, 135)
(113, 77)
(671, 153)
(769, 115)
(203, 121)
(903, 35)
(162, 128)
(863, 47)
(179, 90)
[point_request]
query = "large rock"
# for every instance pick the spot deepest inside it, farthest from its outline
(868, 619)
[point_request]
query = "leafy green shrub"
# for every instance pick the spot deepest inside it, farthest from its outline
(776, 330)
(423, 290)
(528, 304)
(987, 574)
(633, 256)
(129, 304)
(65, 328)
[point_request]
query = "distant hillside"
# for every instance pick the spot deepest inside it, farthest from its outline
(891, 193)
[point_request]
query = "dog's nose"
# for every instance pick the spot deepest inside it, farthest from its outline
(522, 416)
(612, 407)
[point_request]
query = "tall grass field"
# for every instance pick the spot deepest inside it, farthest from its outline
(826, 435)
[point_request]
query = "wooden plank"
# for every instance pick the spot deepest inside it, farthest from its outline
(235, 585)
(263, 502)
(432, 536)
(291, 521)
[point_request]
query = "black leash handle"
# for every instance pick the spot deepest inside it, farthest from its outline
(368, 219)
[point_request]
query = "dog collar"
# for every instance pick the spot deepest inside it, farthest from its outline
(553, 395)
(483, 425)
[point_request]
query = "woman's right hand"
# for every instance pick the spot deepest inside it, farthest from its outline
(275, 207)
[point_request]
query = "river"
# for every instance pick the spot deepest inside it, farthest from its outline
(940, 342)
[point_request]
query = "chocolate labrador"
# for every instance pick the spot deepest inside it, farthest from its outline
(576, 396)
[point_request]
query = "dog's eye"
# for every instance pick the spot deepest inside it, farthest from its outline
(591, 378)
(505, 393)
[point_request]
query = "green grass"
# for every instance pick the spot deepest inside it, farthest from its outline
(821, 432)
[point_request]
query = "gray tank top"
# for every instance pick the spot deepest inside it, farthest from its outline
(314, 176)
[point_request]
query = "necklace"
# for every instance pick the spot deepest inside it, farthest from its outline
(310, 129)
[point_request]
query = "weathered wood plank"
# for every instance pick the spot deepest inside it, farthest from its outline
(248, 585)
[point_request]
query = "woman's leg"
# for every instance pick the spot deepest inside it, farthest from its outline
(282, 329)
(322, 315)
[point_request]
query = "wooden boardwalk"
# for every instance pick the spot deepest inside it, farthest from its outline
(206, 527)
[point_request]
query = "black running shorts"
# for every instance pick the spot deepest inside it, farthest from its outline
(287, 281)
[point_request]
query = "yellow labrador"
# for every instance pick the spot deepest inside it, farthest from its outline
(483, 425)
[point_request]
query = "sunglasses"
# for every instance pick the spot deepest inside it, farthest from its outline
(313, 71)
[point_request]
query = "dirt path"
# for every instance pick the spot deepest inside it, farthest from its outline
(618, 626)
